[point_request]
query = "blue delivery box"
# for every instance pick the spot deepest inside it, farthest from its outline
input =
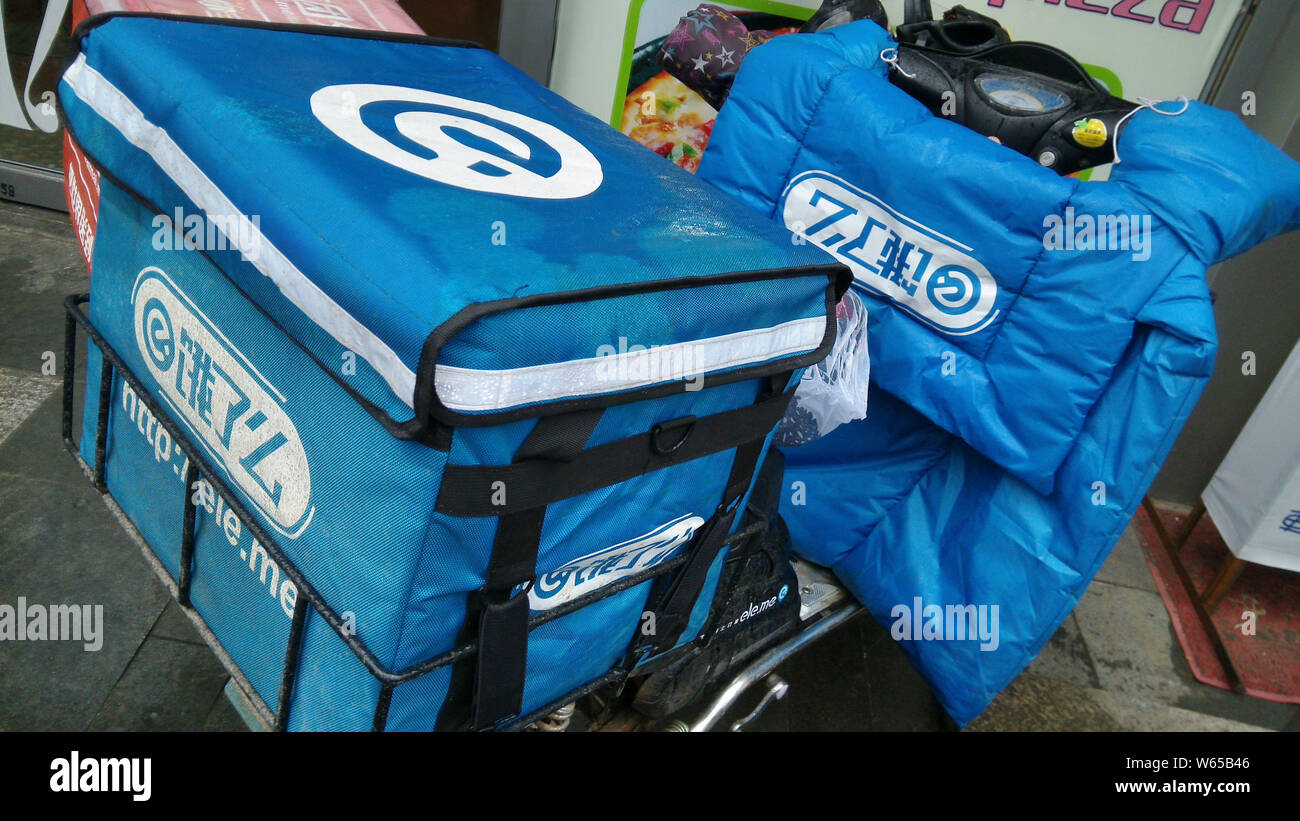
(435, 397)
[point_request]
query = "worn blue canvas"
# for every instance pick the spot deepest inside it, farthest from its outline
(1037, 341)
(350, 266)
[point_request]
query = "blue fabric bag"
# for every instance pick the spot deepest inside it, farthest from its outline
(469, 356)
(1036, 342)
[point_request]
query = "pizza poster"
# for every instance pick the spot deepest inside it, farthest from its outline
(1159, 49)
(658, 110)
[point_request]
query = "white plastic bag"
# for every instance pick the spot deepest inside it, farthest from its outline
(833, 391)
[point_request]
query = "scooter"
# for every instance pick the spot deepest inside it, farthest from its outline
(1030, 97)
(770, 606)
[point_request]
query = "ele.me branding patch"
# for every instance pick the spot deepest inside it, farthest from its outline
(932, 276)
(238, 416)
(455, 141)
(607, 565)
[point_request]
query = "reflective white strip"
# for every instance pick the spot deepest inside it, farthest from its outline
(469, 389)
(115, 108)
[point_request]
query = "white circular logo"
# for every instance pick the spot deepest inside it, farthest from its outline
(472, 145)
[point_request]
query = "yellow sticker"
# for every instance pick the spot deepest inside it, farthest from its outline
(1089, 133)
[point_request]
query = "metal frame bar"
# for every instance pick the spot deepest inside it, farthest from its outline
(1172, 547)
(198, 465)
(34, 185)
(769, 661)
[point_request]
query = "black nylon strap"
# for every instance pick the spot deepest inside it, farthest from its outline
(502, 662)
(673, 614)
(674, 598)
(514, 553)
(499, 665)
(489, 687)
(468, 490)
(559, 438)
(550, 465)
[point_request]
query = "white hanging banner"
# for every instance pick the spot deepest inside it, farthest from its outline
(1254, 497)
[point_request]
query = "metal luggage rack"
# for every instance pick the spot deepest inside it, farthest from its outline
(820, 620)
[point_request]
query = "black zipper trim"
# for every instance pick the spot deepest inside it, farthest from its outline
(430, 409)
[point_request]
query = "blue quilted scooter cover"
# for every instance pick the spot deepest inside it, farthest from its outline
(1036, 341)
(344, 264)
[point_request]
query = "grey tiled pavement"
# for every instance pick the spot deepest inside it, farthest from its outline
(59, 544)
(1113, 665)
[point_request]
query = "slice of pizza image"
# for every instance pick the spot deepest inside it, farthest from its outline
(681, 122)
(663, 114)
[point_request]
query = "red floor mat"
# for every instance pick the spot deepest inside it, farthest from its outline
(1268, 662)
